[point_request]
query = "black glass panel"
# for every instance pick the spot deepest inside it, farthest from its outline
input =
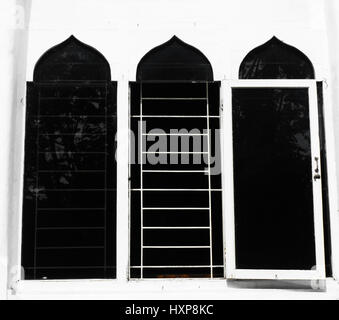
(176, 237)
(176, 272)
(135, 225)
(180, 108)
(175, 257)
(174, 60)
(273, 179)
(276, 60)
(72, 60)
(176, 218)
(184, 90)
(69, 209)
(175, 180)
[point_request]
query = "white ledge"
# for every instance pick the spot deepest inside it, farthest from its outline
(176, 289)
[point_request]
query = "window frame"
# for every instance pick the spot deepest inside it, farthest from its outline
(228, 183)
(166, 288)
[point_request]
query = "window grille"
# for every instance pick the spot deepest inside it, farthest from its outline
(176, 213)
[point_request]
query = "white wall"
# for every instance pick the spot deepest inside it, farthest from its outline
(224, 30)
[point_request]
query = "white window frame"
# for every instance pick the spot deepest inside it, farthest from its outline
(228, 195)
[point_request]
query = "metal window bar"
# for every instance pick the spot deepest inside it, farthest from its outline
(141, 186)
(170, 98)
(209, 177)
(177, 266)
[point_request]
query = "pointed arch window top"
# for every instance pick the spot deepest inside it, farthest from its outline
(276, 60)
(174, 60)
(72, 60)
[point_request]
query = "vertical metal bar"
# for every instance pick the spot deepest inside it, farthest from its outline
(122, 182)
(105, 192)
(37, 185)
(141, 186)
(209, 177)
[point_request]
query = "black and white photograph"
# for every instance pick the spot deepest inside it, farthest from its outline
(169, 154)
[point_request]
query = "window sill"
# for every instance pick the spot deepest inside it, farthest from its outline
(177, 289)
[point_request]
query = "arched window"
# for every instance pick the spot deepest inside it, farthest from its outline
(276, 60)
(277, 167)
(69, 205)
(174, 60)
(176, 214)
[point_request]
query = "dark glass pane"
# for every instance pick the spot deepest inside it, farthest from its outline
(72, 60)
(276, 60)
(174, 60)
(69, 210)
(174, 90)
(273, 179)
(71, 219)
(176, 143)
(169, 163)
(71, 92)
(176, 218)
(176, 257)
(72, 180)
(176, 237)
(178, 108)
(71, 107)
(176, 272)
(174, 199)
(217, 227)
(174, 125)
(64, 161)
(64, 237)
(71, 257)
(214, 98)
(135, 225)
(74, 273)
(174, 180)
(135, 273)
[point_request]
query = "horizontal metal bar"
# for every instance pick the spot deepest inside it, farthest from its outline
(174, 152)
(175, 171)
(175, 228)
(69, 267)
(77, 247)
(177, 266)
(70, 228)
(72, 152)
(175, 247)
(69, 209)
(71, 171)
(170, 98)
(175, 134)
(173, 116)
(73, 116)
(72, 98)
(71, 134)
(74, 190)
(144, 189)
(177, 208)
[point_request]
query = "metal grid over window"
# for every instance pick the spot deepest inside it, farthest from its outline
(176, 213)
